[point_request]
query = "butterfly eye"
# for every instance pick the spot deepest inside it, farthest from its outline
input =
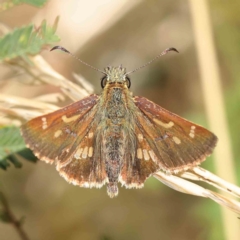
(128, 82)
(104, 81)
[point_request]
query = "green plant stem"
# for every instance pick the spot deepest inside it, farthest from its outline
(11, 218)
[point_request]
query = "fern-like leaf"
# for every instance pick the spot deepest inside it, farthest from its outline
(26, 41)
(12, 146)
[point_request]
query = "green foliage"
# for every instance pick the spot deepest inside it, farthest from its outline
(27, 40)
(36, 3)
(10, 3)
(12, 146)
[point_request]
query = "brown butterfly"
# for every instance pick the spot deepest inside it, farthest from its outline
(114, 137)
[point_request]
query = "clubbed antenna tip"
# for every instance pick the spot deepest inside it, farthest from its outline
(60, 48)
(158, 56)
(171, 49)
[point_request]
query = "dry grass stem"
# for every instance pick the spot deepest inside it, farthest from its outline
(51, 98)
(19, 101)
(8, 121)
(72, 90)
(201, 174)
(22, 114)
(40, 72)
(188, 187)
(86, 85)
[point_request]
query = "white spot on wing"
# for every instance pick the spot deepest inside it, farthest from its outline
(139, 153)
(176, 140)
(70, 119)
(44, 123)
(85, 152)
(192, 132)
(78, 153)
(192, 135)
(153, 156)
(90, 135)
(58, 133)
(140, 137)
(90, 151)
(165, 125)
(146, 155)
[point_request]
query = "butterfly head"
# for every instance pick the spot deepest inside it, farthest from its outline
(115, 75)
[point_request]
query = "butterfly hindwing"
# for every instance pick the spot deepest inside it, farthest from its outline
(135, 171)
(86, 168)
(177, 144)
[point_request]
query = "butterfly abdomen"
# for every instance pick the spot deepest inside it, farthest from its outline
(114, 135)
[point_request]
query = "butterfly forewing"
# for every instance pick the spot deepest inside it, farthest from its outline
(55, 136)
(177, 144)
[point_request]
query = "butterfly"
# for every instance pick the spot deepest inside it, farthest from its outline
(116, 137)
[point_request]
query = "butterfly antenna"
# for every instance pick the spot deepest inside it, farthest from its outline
(74, 56)
(158, 56)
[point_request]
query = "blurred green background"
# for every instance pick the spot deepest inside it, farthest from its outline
(131, 33)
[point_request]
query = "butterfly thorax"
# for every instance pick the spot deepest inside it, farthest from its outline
(114, 125)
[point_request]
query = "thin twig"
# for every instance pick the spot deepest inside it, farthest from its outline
(11, 218)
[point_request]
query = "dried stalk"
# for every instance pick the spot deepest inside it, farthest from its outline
(10, 217)
(182, 185)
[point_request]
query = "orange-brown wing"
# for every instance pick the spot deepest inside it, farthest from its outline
(139, 166)
(170, 141)
(61, 136)
(86, 167)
